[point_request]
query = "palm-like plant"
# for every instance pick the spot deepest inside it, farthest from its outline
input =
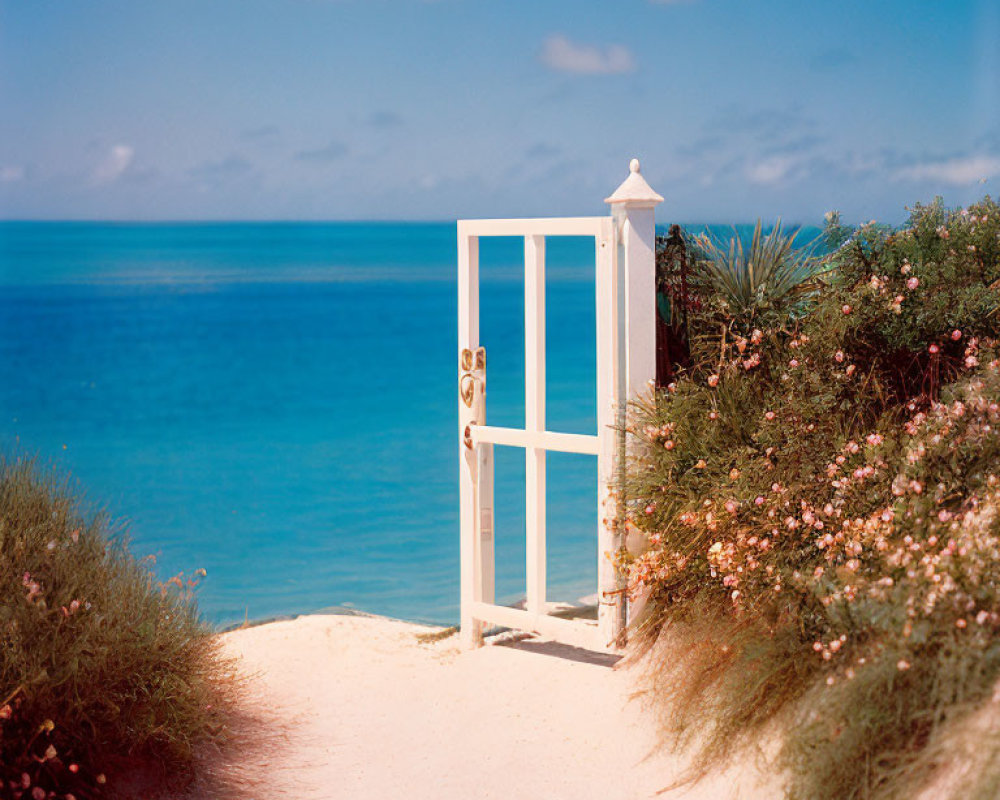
(769, 275)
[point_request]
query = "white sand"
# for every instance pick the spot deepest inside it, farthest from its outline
(375, 713)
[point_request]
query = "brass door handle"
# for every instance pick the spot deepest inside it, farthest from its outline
(467, 389)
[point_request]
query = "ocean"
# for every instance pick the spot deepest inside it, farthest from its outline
(276, 403)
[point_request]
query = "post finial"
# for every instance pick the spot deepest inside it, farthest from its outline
(634, 190)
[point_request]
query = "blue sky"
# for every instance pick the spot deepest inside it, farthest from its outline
(417, 109)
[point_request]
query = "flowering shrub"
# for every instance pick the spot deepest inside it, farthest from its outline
(104, 674)
(818, 497)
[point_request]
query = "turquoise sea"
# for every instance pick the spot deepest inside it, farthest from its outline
(276, 403)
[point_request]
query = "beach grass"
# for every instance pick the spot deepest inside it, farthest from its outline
(108, 677)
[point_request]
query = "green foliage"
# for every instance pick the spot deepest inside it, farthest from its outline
(769, 277)
(820, 505)
(103, 672)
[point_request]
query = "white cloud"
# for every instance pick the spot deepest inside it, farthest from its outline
(562, 55)
(11, 173)
(958, 171)
(771, 170)
(118, 159)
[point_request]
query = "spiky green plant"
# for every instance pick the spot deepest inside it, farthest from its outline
(769, 275)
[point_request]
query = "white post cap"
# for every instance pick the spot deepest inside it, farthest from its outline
(634, 190)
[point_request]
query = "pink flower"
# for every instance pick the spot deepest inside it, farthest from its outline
(912, 283)
(956, 335)
(731, 506)
(668, 445)
(874, 439)
(759, 501)
(846, 309)
(960, 623)
(769, 415)
(713, 380)
(905, 269)
(650, 509)
(902, 665)
(838, 356)
(933, 349)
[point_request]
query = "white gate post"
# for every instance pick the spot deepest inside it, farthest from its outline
(632, 208)
(475, 463)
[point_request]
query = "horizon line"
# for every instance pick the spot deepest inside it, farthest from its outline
(347, 221)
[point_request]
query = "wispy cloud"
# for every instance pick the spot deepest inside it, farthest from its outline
(218, 171)
(114, 164)
(11, 173)
(772, 170)
(262, 133)
(955, 171)
(384, 119)
(563, 55)
(542, 150)
(330, 152)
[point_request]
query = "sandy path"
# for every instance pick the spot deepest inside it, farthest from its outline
(376, 713)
